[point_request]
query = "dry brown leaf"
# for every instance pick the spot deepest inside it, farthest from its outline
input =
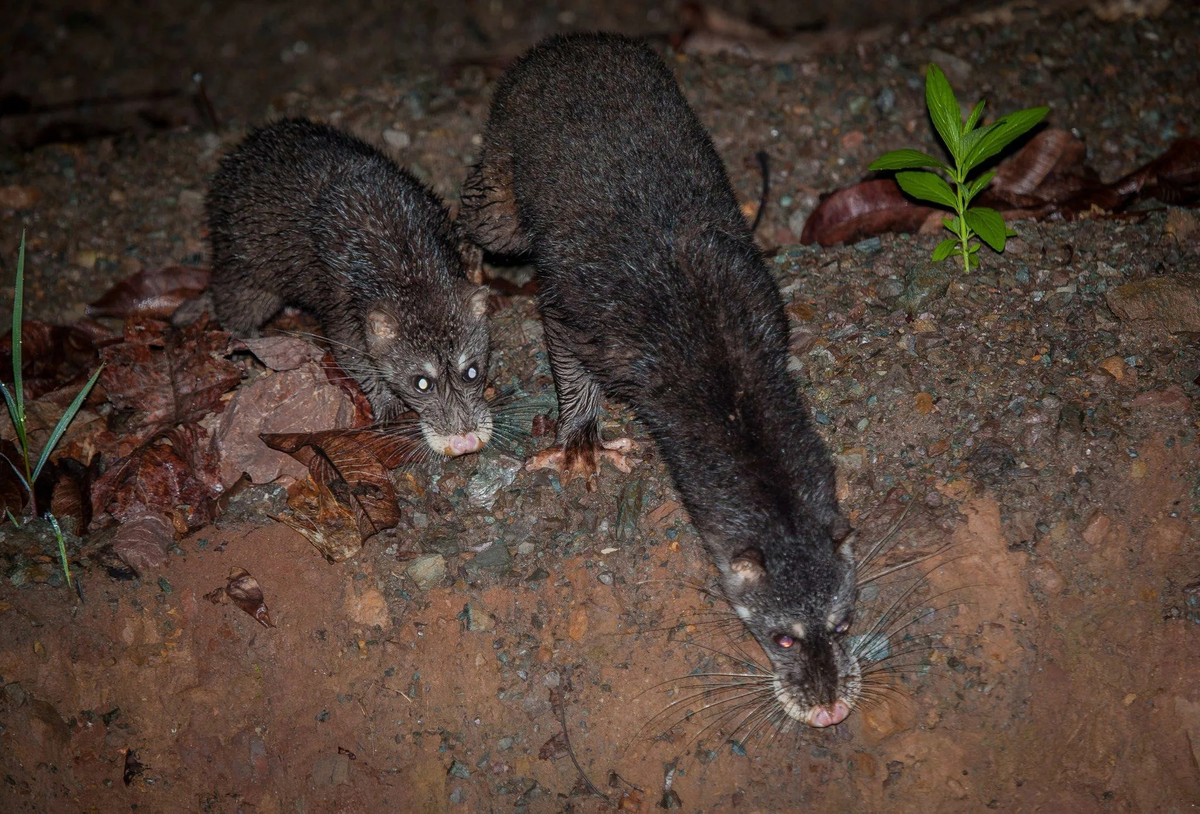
(554, 749)
(282, 353)
(860, 211)
(245, 592)
(324, 521)
(151, 294)
(168, 376)
(174, 473)
(142, 543)
(55, 357)
(354, 465)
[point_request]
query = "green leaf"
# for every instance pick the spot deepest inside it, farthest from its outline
(62, 547)
(1002, 132)
(18, 392)
(61, 426)
(973, 119)
(944, 249)
(905, 160)
(928, 187)
(944, 110)
(19, 474)
(951, 224)
(989, 225)
(12, 405)
(976, 186)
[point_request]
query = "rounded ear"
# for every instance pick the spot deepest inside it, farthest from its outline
(746, 570)
(839, 529)
(472, 260)
(381, 327)
(477, 302)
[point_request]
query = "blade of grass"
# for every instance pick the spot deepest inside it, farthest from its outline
(62, 547)
(12, 406)
(61, 426)
(18, 394)
(17, 472)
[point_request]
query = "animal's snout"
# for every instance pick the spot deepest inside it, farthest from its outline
(464, 444)
(828, 716)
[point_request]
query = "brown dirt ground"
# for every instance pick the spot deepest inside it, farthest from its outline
(1045, 660)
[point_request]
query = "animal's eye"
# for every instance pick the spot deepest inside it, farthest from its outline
(422, 383)
(783, 640)
(842, 628)
(470, 374)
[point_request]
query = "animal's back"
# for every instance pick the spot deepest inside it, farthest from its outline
(629, 212)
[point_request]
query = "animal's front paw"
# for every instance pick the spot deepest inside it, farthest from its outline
(584, 460)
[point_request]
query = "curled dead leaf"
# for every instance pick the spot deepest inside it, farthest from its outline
(326, 522)
(554, 749)
(353, 466)
(142, 543)
(860, 211)
(245, 592)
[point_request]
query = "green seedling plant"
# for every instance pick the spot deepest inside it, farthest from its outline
(29, 470)
(969, 148)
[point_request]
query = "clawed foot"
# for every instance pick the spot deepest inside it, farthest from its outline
(584, 461)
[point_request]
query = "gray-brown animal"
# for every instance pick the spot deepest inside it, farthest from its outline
(653, 292)
(304, 214)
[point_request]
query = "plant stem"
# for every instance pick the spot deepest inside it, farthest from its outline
(964, 237)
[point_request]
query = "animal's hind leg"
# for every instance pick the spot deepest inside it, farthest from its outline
(242, 309)
(578, 447)
(489, 214)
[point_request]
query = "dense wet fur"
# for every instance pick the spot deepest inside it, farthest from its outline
(303, 214)
(653, 292)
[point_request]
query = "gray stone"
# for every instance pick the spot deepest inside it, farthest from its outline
(629, 508)
(493, 475)
(495, 560)
(1170, 302)
(427, 571)
(478, 619)
(331, 770)
(444, 545)
(922, 285)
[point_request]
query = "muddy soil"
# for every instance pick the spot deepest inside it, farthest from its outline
(1031, 455)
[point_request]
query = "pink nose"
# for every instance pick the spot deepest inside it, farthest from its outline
(823, 716)
(463, 444)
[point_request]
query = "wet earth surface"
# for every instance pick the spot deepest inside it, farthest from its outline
(1028, 455)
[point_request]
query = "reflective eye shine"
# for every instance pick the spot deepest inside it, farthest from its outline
(470, 374)
(842, 628)
(421, 383)
(783, 640)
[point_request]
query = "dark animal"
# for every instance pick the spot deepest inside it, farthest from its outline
(303, 214)
(652, 292)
